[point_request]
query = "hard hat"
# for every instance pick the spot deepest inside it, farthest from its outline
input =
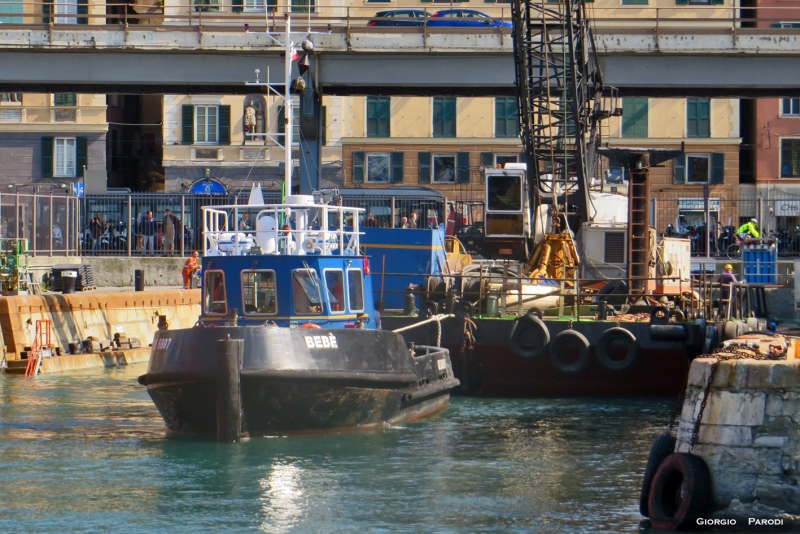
(728, 266)
(754, 220)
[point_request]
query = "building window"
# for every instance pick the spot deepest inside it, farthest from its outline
(259, 293)
(444, 168)
(378, 168)
(790, 158)
(698, 117)
(302, 6)
(65, 99)
(64, 164)
(697, 167)
(378, 116)
(790, 107)
(206, 5)
(66, 7)
(634, 117)
(444, 116)
(500, 160)
(506, 123)
(260, 5)
(206, 125)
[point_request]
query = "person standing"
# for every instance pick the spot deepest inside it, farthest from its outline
(189, 268)
(412, 222)
(725, 280)
(96, 229)
(244, 223)
(148, 230)
(371, 222)
(171, 227)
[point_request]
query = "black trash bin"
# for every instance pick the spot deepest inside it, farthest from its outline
(138, 280)
(69, 278)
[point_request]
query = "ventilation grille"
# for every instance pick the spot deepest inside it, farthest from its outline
(615, 247)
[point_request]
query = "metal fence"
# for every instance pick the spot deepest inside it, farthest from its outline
(48, 222)
(118, 224)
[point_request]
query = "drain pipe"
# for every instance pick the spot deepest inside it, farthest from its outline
(229, 399)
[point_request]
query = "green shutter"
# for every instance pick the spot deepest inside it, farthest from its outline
(397, 167)
(634, 117)
(679, 170)
(718, 2)
(324, 132)
(424, 167)
(462, 168)
(238, 6)
(383, 107)
(450, 117)
(187, 127)
(775, 25)
(47, 157)
(65, 99)
(83, 9)
(224, 125)
(682, 2)
(46, 13)
(358, 167)
(718, 168)
(281, 126)
(487, 159)
(81, 155)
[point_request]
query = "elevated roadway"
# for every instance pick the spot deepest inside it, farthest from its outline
(719, 60)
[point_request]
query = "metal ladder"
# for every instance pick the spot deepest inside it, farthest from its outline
(35, 288)
(41, 342)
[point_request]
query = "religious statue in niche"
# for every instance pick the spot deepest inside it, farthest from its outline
(253, 118)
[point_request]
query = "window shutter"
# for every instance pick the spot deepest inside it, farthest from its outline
(462, 168)
(681, 2)
(397, 167)
(47, 157)
(46, 13)
(281, 120)
(224, 125)
(83, 9)
(679, 170)
(487, 159)
(718, 2)
(424, 167)
(384, 116)
(358, 167)
(775, 25)
(81, 155)
(426, 0)
(634, 117)
(324, 132)
(238, 6)
(187, 127)
(450, 117)
(718, 168)
(372, 121)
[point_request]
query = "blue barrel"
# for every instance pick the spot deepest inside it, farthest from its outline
(759, 262)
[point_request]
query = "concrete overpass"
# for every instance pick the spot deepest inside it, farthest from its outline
(675, 60)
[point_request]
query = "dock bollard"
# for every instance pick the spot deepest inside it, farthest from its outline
(229, 399)
(602, 311)
(409, 306)
(138, 280)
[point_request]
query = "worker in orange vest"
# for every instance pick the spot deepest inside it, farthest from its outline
(189, 268)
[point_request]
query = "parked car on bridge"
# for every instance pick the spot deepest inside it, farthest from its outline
(400, 17)
(465, 18)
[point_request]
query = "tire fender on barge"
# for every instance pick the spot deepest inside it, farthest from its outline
(529, 337)
(564, 341)
(617, 335)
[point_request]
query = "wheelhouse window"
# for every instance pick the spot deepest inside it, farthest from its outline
(259, 293)
(215, 301)
(206, 125)
(444, 168)
(355, 289)
(334, 283)
(306, 293)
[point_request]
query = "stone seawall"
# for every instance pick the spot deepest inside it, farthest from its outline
(110, 271)
(77, 316)
(750, 432)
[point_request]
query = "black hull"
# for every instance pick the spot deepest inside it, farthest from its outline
(322, 390)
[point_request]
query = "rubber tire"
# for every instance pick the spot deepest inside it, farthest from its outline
(528, 323)
(663, 446)
(711, 341)
(659, 315)
(560, 342)
(536, 312)
(614, 334)
(609, 291)
(680, 471)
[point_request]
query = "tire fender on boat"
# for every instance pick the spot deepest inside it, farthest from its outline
(685, 479)
(612, 335)
(663, 446)
(529, 336)
(564, 340)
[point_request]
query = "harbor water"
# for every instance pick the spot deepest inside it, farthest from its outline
(88, 452)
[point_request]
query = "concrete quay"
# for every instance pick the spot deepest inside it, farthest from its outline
(76, 362)
(749, 436)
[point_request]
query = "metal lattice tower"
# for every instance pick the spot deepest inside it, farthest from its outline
(557, 78)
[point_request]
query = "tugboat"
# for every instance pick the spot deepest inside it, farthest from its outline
(287, 340)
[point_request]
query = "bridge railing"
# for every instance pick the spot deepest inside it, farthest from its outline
(259, 15)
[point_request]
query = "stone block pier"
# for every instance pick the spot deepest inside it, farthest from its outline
(749, 435)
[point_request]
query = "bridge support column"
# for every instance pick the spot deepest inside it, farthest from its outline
(310, 137)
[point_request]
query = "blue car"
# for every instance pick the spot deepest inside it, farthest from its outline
(399, 17)
(465, 18)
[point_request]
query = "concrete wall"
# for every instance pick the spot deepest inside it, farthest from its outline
(76, 317)
(750, 431)
(109, 271)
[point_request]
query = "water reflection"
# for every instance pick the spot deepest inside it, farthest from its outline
(93, 449)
